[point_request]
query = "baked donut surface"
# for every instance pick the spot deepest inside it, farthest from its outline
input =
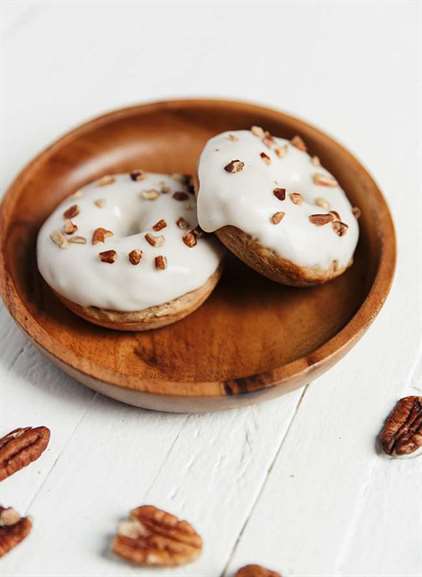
(125, 251)
(276, 207)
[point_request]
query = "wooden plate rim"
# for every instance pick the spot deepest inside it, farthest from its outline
(295, 370)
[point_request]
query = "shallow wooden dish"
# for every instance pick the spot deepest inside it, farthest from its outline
(253, 339)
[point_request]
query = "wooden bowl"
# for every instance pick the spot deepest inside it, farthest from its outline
(252, 339)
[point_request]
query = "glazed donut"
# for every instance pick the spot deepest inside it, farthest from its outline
(276, 207)
(125, 252)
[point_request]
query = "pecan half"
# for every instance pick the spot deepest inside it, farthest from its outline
(321, 219)
(21, 447)
(234, 166)
(13, 529)
(135, 256)
(71, 212)
(152, 537)
(299, 143)
(108, 256)
(402, 431)
(256, 571)
(100, 234)
(280, 193)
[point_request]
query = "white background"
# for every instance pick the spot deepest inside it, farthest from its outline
(294, 484)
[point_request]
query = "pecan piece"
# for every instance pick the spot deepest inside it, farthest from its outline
(280, 151)
(280, 193)
(234, 166)
(135, 256)
(296, 197)
(77, 240)
(69, 227)
(20, 447)
(277, 217)
(160, 225)
(299, 143)
(150, 194)
(100, 234)
(258, 131)
(321, 219)
(160, 262)
(190, 239)
(154, 240)
(137, 174)
(58, 239)
(152, 537)
(324, 180)
(105, 180)
(402, 430)
(100, 202)
(356, 212)
(256, 571)
(71, 212)
(108, 256)
(264, 156)
(182, 223)
(319, 201)
(340, 228)
(13, 529)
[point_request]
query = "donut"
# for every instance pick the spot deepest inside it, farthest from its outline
(125, 252)
(275, 207)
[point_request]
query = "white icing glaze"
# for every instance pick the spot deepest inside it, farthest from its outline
(245, 199)
(77, 273)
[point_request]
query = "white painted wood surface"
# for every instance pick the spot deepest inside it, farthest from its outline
(295, 483)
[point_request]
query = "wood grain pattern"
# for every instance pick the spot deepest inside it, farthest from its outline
(297, 334)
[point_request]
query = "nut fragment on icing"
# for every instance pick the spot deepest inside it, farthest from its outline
(160, 224)
(258, 131)
(182, 223)
(100, 234)
(69, 227)
(71, 212)
(296, 197)
(264, 156)
(137, 174)
(154, 240)
(105, 180)
(135, 256)
(234, 166)
(321, 219)
(151, 194)
(322, 202)
(279, 193)
(108, 256)
(324, 180)
(190, 239)
(340, 228)
(77, 240)
(160, 262)
(299, 143)
(277, 217)
(58, 239)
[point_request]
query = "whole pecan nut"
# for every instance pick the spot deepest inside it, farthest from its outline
(155, 538)
(13, 529)
(21, 447)
(402, 431)
(256, 571)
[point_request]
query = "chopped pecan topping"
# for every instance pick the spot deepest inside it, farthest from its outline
(180, 196)
(105, 180)
(315, 161)
(268, 141)
(57, 237)
(258, 131)
(154, 240)
(296, 197)
(356, 212)
(77, 240)
(150, 194)
(135, 256)
(71, 212)
(108, 256)
(280, 150)
(100, 234)
(232, 138)
(324, 180)
(335, 214)
(137, 174)
(298, 142)
(164, 188)
(264, 156)
(256, 571)
(182, 223)
(100, 202)
(190, 239)
(69, 227)
(402, 431)
(280, 193)
(340, 228)
(321, 219)
(277, 217)
(13, 529)
(319, 201)
(160, 262)
(21, 447)
(234, 166)
(160, 225)
(152, 537)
